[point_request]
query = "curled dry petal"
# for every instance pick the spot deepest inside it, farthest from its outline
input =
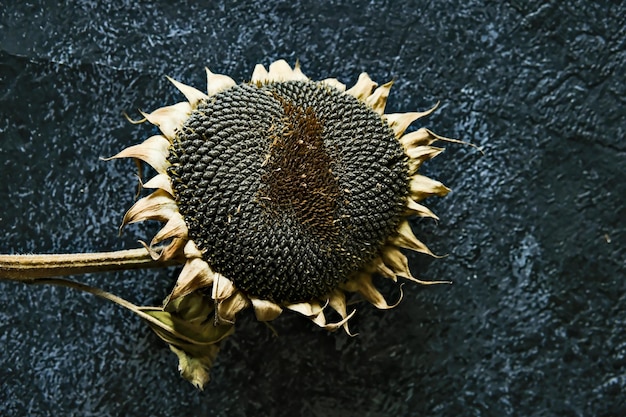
(228, 308)
(195, 274)
(378, 100)
(265, 310)
(162, 182)
(175, 227)
(192, 95)
(421, 187)
(399, 263)
(174, 249)
(400, 121)
(406, 239)
(396, 261)
(417, 209)
(337, 302)
(216, 83)
(152, 151)
(169, 118)
(331, 327)
(222, 287)
(363, 87)
(156, 206)
(364, 286)
(170, 251)
(308, 309)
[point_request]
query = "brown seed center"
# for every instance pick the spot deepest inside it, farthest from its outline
(298, 179)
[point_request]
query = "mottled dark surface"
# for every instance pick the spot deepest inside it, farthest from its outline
(534, 324)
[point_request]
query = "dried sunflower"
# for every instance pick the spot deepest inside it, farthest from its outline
(284, 193)
(281, 193)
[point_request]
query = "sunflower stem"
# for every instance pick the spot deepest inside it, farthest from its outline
(29, 268)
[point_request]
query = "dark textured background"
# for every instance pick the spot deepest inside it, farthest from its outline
(534, 324)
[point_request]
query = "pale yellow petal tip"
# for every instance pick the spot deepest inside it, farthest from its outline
(169, 119)
(364, 286)
(421, 187)
(216, 83)
(192, 95)
(378, 100)
(153, 151)
(265, 310)
(196, 274)
(297, 74)
(405, 238)
(260, 74)
(334, 83)
(363, 87)
(222, 288)
(195, 370)
(279, 71)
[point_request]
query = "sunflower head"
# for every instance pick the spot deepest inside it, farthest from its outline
(280, 193)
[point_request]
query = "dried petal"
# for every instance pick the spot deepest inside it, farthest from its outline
(175, 227)
(378, 100)
(413, 208)
(216, 83)
(260, 74)
(195, 274)
(280, 71)
(406, 239)
(265, 310)
(400, 121)
(162, 182)
(169, 118)
(192, 95)
(309, 309)
(222, 287)
(152, 151)
(421, 187)
(156, 206)
(333, 82)
(363, 87)
(228, 308)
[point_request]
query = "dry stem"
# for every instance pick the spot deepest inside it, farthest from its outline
(28, 268)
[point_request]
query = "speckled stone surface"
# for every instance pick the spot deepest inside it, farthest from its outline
(534, 324)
